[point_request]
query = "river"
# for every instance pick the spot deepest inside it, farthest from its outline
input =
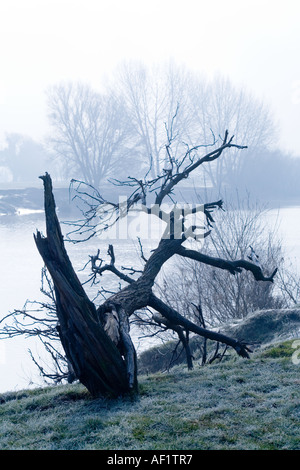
(20, 279)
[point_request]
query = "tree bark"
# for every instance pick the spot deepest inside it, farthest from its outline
(96, 360)
(97, 342)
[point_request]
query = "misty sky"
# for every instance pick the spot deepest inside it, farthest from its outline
(42, 42)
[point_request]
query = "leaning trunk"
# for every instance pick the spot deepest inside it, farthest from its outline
(101, 365)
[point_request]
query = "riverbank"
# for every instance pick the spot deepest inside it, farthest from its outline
(15, 200)
(31, 200)
(20, 276)
(235, 405)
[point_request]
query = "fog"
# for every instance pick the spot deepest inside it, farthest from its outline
(255, 43)
(251, 47)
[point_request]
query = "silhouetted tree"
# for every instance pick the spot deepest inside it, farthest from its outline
(102, 135)
(91, 132)
(153, 95)
(96, 341)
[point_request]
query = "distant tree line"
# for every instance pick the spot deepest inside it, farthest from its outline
(95, 136)
(270, 175)
(105, 135)
(22, 159)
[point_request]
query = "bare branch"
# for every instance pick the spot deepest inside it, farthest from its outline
(232, 266)
(108, 267)
(172, 181)
(173, 316)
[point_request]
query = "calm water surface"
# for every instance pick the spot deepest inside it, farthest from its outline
(20, 280)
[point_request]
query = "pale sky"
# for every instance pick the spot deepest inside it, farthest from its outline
(255, 43)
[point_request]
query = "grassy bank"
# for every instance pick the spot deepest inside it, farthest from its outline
(238, 404)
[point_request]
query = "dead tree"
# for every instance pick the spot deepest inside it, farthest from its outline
(96, 341)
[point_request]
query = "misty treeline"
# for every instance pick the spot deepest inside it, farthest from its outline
(96, 135)
(99, 135)
(21, 158)
(151, 124)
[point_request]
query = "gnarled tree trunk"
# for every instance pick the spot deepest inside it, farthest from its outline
(97, 342)
(97, 361)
